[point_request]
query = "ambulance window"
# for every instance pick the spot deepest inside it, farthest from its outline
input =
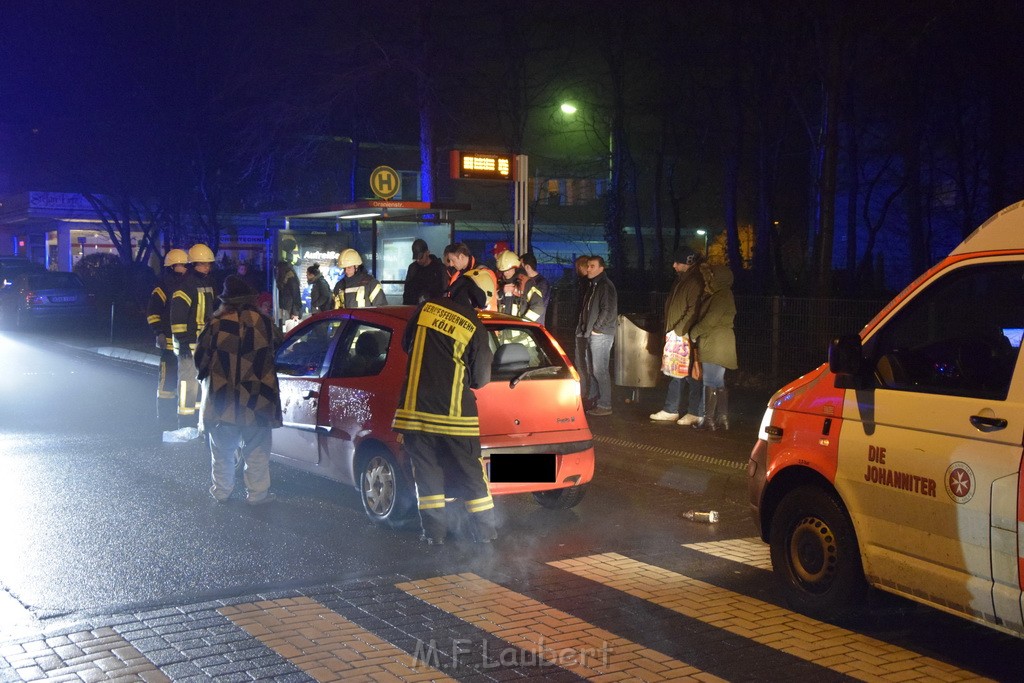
(960, 336)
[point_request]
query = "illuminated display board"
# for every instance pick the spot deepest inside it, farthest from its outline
(481, 166)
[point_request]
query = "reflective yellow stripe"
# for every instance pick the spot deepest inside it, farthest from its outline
(431, 502)
(415, 368)
(419, 426)
(153, 319)
(480, 504)
(532, 316)
(180, 294)
(179, 328)
(160, 293)
(455, 407)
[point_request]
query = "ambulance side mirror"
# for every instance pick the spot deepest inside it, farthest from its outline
(846, 362)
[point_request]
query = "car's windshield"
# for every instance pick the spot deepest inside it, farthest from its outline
(518, 348)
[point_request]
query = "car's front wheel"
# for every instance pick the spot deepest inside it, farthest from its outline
(561, 499)
(815, 555)
(386, 493)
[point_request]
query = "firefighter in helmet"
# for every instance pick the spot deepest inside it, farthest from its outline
(158, 315)
(509, 294)
(358, 289)
(192, 305)
(449, 356)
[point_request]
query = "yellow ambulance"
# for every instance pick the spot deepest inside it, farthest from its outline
(898, 463)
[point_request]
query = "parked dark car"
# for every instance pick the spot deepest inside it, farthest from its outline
(42, 295)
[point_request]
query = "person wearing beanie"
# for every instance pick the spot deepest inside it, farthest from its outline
(242, 405)
(681, 310)
(425, 278)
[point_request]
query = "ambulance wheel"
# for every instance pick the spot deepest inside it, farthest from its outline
(384, 490)
(815, 555)
(561, 499)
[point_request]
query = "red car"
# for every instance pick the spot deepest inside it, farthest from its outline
(341, 373)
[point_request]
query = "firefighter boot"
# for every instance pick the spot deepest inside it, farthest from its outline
(722, 409)
(707, 423)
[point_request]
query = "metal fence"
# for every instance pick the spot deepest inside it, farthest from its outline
(778, 338)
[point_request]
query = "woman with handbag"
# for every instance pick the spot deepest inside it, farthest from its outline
(681, 309)
(716, 344)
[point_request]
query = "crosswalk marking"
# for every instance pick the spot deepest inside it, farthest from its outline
(749, 551)
(326, 645)
(836, 648)
(100, 654)
(551, 634)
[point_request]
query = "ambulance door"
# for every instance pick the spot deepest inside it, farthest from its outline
(930, 457)
(301, 366)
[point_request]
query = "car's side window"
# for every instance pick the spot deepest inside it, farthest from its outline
(304, 354)
(960, 336)
(362, 352)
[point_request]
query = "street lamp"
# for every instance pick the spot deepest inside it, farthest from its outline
(568, 108)
(701, 232)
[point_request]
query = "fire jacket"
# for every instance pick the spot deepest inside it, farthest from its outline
(449, 356)
(192, 305)
(235, 360)
(533, 305)
(359, 291)
(158, 312)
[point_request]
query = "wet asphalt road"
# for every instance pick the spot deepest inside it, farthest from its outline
(99, 517)
(102, 516)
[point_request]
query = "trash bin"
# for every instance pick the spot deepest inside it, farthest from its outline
(635, 365)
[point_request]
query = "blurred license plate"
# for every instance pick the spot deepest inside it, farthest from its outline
(521, 468)
(63, 299)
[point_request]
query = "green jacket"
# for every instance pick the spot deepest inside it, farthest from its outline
(713, 332)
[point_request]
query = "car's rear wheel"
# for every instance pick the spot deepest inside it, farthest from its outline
(561, 499)
(386, 493)
(815, 555)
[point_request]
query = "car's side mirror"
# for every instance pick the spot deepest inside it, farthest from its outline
(846, 361)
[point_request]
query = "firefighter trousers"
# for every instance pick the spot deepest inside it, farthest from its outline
(450, 467)
(167, 390)
(188, 391)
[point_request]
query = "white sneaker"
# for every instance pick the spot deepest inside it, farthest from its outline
(662, 416)
(687, 420)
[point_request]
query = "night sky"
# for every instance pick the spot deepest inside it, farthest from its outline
(719, 108)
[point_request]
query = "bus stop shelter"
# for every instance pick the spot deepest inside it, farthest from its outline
(382, 231)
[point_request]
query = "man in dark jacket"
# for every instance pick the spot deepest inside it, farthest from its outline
(449, 356)
(235, 361)
(598, 320)
(425, 278)
(158, 315)
(289, 297)
(320, 297)
(191, 306)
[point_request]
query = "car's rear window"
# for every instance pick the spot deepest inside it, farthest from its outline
(520, 349)
(54, 281)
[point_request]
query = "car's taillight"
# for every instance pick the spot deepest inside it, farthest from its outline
(31, 298)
